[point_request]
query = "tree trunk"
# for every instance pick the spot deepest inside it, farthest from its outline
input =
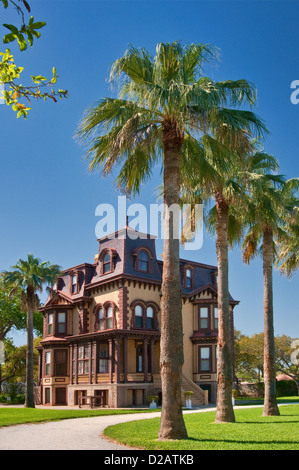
(29, 392)
(225, 411)
(172, 424)
(270, 404)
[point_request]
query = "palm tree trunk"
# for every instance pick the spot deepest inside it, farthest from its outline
(270, 404)
(225, 411)
(172, 424)
(29, 394)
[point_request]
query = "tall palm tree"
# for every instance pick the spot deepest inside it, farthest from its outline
(269, 202)
(226, 184)
(164, 105)
(30, 276)
(288, 242)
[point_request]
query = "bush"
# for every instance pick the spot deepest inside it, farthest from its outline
(286, 388)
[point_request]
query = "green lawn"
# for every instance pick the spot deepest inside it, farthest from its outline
(252, 431)
(11, 416)
(260, 401)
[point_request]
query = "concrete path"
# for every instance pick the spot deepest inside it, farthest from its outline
(74, 434)
(69, 434)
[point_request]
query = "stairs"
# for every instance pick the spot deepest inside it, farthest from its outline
(199, 397)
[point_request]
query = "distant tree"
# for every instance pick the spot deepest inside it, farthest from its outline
(30, 276)
(14, 369)
(41, 87)
(249, 356)
(287, 357)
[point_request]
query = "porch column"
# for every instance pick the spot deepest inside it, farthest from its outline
(110, 343)
(90, 361)
(125, 359)
(152, 356)
(76, 363)
(117, 360)
(145, 359)
(71, 363)
(95, 362)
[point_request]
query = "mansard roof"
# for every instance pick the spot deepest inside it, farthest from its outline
(124, 246)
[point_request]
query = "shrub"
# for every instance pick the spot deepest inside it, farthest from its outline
(286, 388)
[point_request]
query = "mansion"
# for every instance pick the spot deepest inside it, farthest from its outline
(101, 335)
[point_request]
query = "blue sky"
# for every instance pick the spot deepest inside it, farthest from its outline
(48, 197)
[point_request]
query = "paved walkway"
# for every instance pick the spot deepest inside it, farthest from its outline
(74, 434)
(69, 434)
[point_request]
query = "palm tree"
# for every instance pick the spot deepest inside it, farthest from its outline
(226, 184)
(288, 242)
(30, 276)
(164, 105)
(268, 204)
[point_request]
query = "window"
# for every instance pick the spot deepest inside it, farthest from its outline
(138, 316)
(216, 318)
(204, 359)
(139, 358)
(143, 261)
(103, 358)
(48, 362)
(83, 359)
(150, 317)
(60, 362)
(107, 263)
(61, 323)
(101, 319)
(203, 318)
(74, 283)
(188, 278)
(109, 322)
(50, 323)
(104, 318)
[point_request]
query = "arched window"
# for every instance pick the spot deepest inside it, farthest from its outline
(107, 263)
(143, 261)
(109, 318)
(104, 317)
(144, 315)
(138, 316)
(101, 319)
(150, 317)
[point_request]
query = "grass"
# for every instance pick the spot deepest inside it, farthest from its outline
(260, 401)
(251, 431)
(12, 416)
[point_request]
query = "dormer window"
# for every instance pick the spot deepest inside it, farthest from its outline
(188, 278)
(74, 283)
(107, 263)
(143, 261)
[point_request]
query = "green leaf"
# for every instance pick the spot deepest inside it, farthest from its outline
(9, 38)
(12, 28)
(38, 25)
(22, 42)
